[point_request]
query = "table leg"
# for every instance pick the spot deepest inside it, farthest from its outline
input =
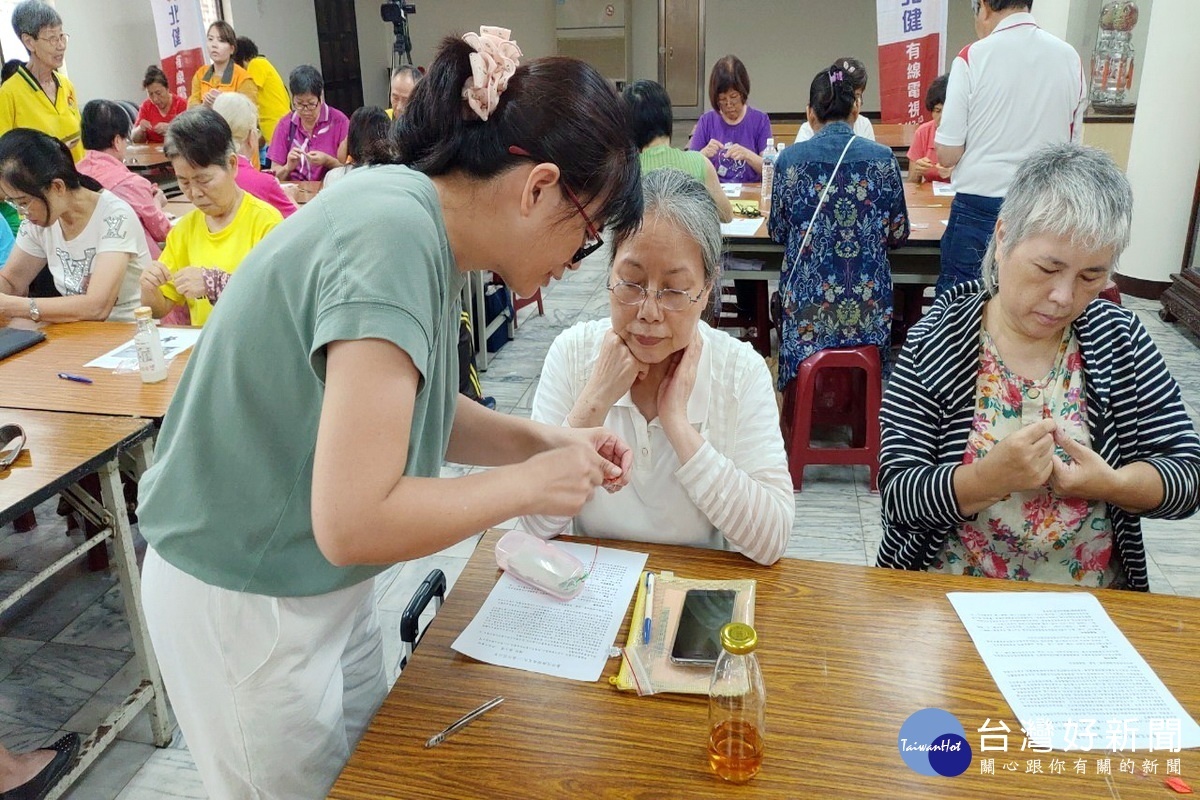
(26, 522)
(479, 312)
(131, 590)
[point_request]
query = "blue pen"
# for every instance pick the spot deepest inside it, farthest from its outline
(66, 376)
(648, 608)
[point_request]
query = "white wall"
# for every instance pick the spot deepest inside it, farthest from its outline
(1163, 187)
(112, 43)
(284, 30)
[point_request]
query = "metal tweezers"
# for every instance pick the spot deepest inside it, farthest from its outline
(462, 722)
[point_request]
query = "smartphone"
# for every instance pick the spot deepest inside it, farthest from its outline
(698, 637)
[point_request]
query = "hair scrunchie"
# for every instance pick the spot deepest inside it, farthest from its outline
(835, 76)
(494, 61)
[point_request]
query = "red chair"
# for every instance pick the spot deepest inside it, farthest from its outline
(1111, 293)
(842, 386)
(754, 323)
(520, 302)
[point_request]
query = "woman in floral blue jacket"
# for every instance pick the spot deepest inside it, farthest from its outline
(836, 285)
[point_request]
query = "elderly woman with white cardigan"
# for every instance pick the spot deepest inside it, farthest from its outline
(695, 404)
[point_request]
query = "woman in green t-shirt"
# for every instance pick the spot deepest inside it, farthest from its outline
(302, 451)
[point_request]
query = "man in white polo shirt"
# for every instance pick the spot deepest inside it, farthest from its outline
(1012, 92)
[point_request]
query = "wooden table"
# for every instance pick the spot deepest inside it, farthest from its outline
(896, 136)
(60, 450)
(143, 157)
(304, 191)
(30, 378)
(915, 264)
(848, 653)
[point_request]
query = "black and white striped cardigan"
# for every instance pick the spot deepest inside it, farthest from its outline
(1134, 409)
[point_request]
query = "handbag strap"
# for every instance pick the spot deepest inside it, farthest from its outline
(825, 193)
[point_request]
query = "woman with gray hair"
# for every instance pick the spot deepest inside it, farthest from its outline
(208, 244)
(36, 95)
(1029, 425)
(695, 403)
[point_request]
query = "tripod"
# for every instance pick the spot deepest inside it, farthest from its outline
(402, 46)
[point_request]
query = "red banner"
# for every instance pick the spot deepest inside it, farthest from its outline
(180, 30)
(912, 52)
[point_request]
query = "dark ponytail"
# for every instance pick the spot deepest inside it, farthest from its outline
(558, 109)
(831, 95)
(31, 160)
(369, 140)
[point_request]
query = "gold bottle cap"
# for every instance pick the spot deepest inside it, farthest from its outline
(739, 638)
(143, 312)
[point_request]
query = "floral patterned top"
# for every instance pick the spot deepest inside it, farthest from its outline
(837, 292)
(1033, 535)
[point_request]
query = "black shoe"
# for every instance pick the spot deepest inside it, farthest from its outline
(40, 785)
(486, 402)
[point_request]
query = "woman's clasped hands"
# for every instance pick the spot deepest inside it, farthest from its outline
(1041, 454)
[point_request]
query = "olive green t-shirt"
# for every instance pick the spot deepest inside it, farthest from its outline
(666, 157)
(229, 499)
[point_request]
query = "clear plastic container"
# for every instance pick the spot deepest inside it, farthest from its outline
(541, 564)
(148, 344)
(737, 700)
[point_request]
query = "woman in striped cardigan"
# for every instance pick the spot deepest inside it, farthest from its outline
(1028, 425)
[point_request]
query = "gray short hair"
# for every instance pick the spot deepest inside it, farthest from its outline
(679, 198)
(30, 16)
(1065, 190)
(239, 111)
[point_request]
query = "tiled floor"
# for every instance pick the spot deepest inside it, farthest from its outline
(65, 651)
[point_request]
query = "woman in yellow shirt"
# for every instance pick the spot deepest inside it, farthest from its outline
(36, 95)
(206, 245)
(224, 75)
(274, 102)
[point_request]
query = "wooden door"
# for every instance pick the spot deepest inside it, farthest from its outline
(337, 37)
(681, 55)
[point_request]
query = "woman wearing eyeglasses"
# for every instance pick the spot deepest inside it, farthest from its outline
(306, 141)
(302, 453)
(696, 404)
(36, 95)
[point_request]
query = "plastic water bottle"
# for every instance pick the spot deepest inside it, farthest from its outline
(146, 340)
(736, 701)
(768, 175)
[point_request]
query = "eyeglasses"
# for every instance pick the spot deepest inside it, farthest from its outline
(634, 294)
(21, 205)
(593, 242)
(57, 40)
(311, 106)
(12, 442)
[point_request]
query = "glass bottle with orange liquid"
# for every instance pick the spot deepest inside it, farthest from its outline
(736, 702)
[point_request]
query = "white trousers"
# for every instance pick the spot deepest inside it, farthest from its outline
(272, 693)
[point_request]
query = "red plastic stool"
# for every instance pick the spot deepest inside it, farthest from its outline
(810, 398)
(521, 302)
(1111, 293)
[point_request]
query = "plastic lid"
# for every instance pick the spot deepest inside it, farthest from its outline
(143, 312)
(739, 638)
(770, 141)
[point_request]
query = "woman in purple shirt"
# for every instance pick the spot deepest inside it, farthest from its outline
(733, 135)
(305, 143)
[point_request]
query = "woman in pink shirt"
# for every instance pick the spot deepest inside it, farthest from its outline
(242, 115)
(106, 127)
(922, 155)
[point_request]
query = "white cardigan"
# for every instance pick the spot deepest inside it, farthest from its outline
(734, 493)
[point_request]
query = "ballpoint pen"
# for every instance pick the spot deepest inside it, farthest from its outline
(462, 722)
(67, 376)
(648, 608)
